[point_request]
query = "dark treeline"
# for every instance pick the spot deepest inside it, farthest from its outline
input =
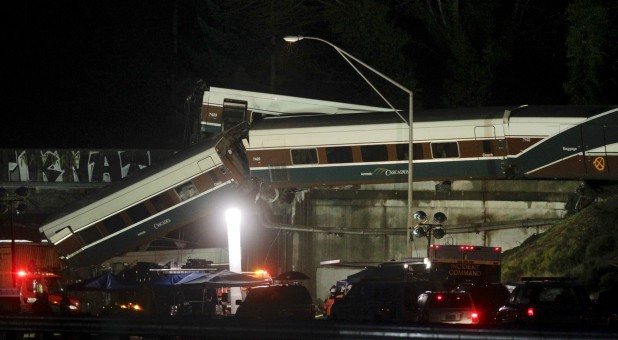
(117, 73)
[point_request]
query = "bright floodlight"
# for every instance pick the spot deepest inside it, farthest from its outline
(232, 218)
(292, 38)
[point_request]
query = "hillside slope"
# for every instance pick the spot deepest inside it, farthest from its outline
(581, 246)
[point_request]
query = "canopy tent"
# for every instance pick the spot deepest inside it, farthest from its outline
(189, 277)
(224, 278)
(169, 280)
(104, 283)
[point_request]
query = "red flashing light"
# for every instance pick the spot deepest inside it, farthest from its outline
(466, 248)
(475, 317)
(435, 246)
(497, 249)
(439, 297)
(530, 311)
(21, 273)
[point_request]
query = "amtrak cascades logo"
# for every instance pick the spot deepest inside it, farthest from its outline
(389, 172)
(162, 223)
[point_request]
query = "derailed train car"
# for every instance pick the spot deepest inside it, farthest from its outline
(150, 204)
(534, 142)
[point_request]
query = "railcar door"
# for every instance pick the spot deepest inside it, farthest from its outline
(594, 142)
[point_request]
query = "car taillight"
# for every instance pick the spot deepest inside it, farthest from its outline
(530, 311)
(475, 317)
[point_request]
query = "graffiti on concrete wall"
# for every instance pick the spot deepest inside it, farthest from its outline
(74, 166)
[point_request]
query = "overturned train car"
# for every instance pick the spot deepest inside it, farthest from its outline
(154, 202)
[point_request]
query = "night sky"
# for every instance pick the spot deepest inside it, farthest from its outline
(114, 74)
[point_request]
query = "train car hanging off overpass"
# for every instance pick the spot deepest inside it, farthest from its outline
(154, 202)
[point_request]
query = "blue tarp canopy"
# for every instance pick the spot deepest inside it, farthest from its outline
(170, 280)
(104, 283)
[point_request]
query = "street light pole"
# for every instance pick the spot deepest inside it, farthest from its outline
(346, 55)
(6, 203)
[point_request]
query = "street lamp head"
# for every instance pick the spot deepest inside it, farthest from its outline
(420, 216)
(439, 217)
(438, 232)
(292, 38)
(419, 232)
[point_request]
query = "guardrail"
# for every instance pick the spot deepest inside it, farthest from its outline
(231, 328)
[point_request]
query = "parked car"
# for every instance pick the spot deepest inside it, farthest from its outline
(605, 308)
(379, 300)
(487, 300)
(292, 302)
(447, 307)
(546, 301)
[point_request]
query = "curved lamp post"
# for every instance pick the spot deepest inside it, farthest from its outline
(346, 55)
(7, 202)
(427, 230)
(232, 219)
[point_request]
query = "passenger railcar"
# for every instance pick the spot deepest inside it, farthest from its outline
(544, 142)
(154, 202)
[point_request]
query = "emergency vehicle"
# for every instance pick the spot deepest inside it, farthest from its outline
(31, 286)
(456, 265)
(24, 279)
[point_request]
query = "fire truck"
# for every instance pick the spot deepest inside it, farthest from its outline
(22, 282)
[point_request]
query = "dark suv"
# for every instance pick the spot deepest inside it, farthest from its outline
(447, 307)
(487, 299)
(292, 302)
(546, 301)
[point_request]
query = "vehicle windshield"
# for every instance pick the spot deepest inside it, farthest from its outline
(53, 285)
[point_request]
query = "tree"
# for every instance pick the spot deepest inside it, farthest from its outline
(587, 43)
(461, 34)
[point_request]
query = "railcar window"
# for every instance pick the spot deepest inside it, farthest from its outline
(213, 176)
(339, 154)
(89, 234)
(402, 151)
(138, 212)
(304, 156)
(486, 146)
(186, 191)
(114, 223)
(374, 153)
(445, 150)
(162, 201)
